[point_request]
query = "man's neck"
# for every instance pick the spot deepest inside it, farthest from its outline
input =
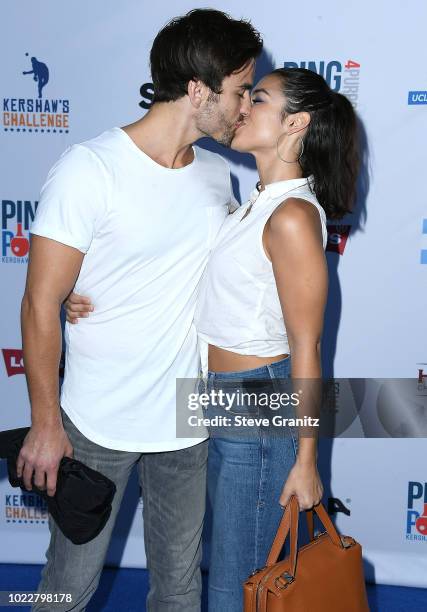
(166, 134)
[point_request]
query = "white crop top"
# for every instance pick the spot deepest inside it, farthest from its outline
(238, 305)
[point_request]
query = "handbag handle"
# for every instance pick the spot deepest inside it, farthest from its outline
(310, 524)
(289, 523)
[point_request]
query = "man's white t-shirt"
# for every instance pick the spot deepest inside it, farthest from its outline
(146, 232)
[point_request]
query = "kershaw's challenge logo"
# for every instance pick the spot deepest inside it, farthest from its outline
(16, 218)
(26, 508)
(36, 114)
(40, 72)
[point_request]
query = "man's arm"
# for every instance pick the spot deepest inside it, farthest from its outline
(52, 272)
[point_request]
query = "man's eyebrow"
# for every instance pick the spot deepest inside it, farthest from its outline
(246, 86)
(260, 90)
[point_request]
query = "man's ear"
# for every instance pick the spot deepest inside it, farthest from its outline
(197, 92)
(296, 122)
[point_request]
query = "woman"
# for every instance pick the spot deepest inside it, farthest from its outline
(262, 304)
(261, 307)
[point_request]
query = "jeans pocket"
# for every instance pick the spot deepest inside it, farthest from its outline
(241, 400)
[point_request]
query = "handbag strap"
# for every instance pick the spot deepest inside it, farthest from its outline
(289, 523)
(310, 523)
(328, 524)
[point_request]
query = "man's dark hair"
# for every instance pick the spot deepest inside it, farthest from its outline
(205, 45)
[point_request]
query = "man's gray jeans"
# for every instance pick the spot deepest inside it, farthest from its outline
(173, 492)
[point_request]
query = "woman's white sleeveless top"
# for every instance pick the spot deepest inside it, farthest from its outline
(238, 306)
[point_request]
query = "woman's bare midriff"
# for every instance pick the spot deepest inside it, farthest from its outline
(221, 360)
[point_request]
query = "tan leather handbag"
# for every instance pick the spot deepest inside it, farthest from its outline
(325, 575)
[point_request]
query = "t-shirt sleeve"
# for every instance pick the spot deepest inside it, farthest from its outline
(73, 200)
(233, 204)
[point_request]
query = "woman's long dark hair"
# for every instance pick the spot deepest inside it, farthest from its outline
(331, 141)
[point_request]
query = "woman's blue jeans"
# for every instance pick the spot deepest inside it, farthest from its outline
(246, 475)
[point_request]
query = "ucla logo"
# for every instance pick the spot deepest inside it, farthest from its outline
(417, 97)
(423, 254)
(416, 518)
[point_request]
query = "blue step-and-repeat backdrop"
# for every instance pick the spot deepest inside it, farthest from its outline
(91, 64)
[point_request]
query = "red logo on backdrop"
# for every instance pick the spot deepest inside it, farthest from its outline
(337, 238)
(13, 360)
(421, 522)
(19, 244)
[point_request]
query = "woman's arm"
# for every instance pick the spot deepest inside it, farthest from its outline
(77, 306)
(293, 243)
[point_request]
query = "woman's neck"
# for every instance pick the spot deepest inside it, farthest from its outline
(272, 170)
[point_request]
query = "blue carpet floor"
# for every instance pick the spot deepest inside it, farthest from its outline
(124, 590)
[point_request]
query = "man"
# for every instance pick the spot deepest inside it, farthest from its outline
(128, 218)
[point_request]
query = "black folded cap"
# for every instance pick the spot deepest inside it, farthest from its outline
(81, 505)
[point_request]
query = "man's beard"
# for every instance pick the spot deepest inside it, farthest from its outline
(227, 134)
(214, 124)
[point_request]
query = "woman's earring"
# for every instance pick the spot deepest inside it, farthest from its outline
(285, 160)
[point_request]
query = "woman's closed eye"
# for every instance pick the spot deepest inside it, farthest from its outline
(256, 100)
